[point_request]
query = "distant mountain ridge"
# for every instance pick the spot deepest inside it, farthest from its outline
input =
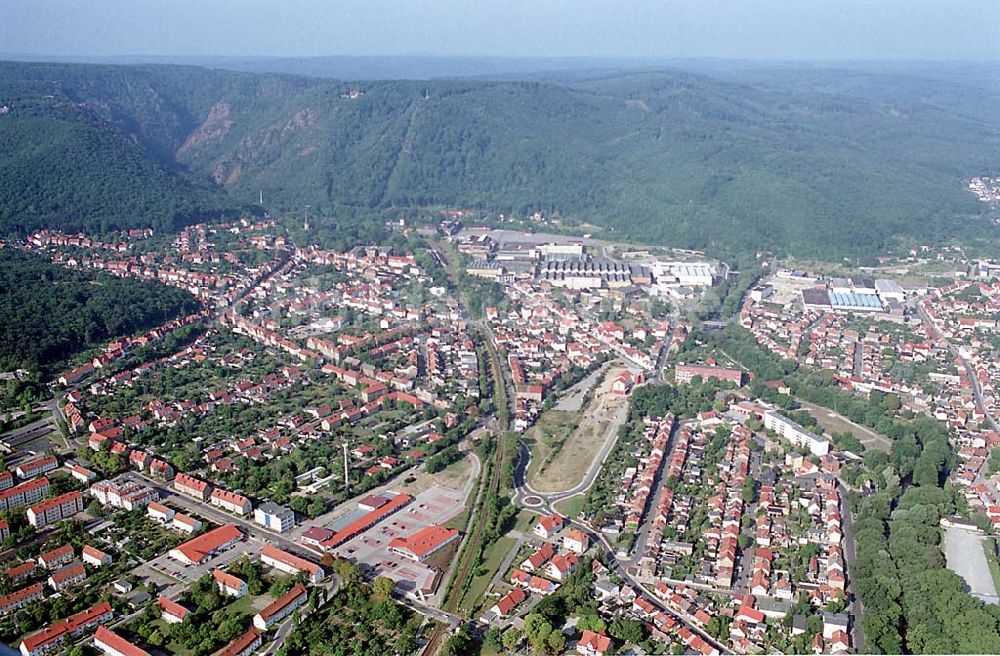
(665, 156)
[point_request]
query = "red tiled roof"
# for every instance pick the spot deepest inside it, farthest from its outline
(18, 595)
(184, 480)
(239, 645)
(227, 579)
(31, 485)
(68, 572)
(596, 641)
(511, 600)
(424, 541)
(58, 552)
(171, 607)
(118, 643)
(198, 548)
(283, 601)
(54, 502)
(291, 560)
(23, 568)
(366, 522)
(71, 624)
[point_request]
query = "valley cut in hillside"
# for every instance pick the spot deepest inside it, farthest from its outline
(668, 157)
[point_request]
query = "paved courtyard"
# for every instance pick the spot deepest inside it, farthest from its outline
(963, 551)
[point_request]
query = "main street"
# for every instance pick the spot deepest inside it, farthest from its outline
(977, 391)
(619, 565)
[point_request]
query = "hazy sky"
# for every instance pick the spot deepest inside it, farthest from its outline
(756, 29)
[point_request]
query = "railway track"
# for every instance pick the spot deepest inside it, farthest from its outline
(474, 540)
(455, 594)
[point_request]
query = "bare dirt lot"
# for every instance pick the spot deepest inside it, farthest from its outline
(560, 458)
(787, 290)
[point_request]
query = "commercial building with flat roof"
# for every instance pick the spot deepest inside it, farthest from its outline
(815, 298)
(890, 290)
(795, 433)
(274, 517)
(693, 274)
(854, 302)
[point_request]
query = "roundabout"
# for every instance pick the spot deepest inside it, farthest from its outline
(532, 501)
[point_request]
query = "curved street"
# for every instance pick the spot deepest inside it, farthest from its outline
(618, 565)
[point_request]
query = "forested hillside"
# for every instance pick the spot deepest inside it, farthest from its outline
(51, 313)
(64, 164)
(814, 169)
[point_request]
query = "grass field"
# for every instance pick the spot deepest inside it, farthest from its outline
(989, 547)
(455, 475)
(247, 605)
(459, 521)
(572, 506)
(546, 439)
(525, 521)
(492, 560)
(831, 422)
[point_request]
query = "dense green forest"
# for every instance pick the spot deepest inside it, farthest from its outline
(64, 165)
(816, 169)
(51, 313)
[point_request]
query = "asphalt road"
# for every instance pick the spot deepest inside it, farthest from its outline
(218, 516)
(599, 540)
(850, 557)
(977, 391)
(610, 438)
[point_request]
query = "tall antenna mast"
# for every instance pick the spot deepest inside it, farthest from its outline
(347, 482)
(261, 196)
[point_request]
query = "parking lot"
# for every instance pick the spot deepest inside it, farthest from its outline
(963, 550)
(164, 569)
(371, 549)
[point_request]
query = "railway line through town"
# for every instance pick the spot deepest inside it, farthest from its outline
(468, 555)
